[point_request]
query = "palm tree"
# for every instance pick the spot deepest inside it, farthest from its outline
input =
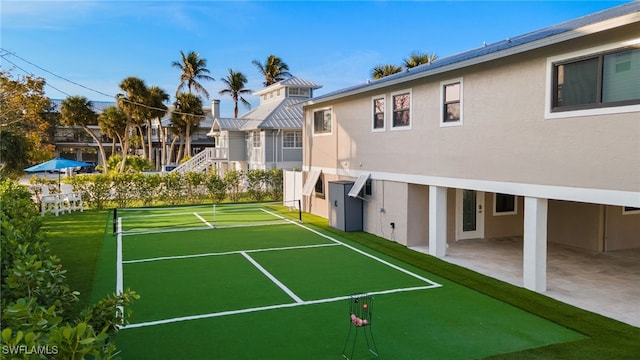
(417, 58)
(381, 71)
(133, 104)
(78, 111)
(235, 82)
(157, 98)
(273, 70)
(113, 122)
(188, 113)
(193, 68)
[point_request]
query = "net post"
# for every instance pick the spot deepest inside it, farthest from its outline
(299, 210)
(115, 221)
(214, 216)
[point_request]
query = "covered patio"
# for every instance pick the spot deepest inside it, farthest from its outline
(604, 283)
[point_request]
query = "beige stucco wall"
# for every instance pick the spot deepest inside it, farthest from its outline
(497, 226)
(505, 136)
(418, 215)
(622, 231)
(575, 224)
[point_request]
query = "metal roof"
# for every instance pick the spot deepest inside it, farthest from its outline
(489, 52)
(290, 82)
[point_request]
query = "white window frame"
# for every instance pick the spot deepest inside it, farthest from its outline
(256, 138)
(442, 98)
(297, 138)
(384, 113)
(391, 103)
(313, 122)
(502, 213)
(548, 102)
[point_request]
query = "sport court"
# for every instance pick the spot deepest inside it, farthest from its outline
(252, 281)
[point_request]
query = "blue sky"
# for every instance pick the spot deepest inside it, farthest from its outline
(335, 43)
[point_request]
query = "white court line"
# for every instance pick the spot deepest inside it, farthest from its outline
(224, 253)
(281, 306)
(264, 308)
(203, 220)
(272, 278)
(119, 273)
(119, 278)
(357, 250)
(169, 230)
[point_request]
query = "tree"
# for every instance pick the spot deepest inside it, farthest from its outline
(273, 70)
(113, 122)
(380, 71)
(23, 111)
(235, 82)
(193, 69)
(132, 103)
(78, 111)
(157, 98)
(417, 58)
(188, 113)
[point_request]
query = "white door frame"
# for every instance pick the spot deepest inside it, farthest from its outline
(478, 233)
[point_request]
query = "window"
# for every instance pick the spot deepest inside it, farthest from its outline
(401, 110)
(504, 204)
(292, 139)
(368, 187)
(322, 121)
(630, 210)
(378, 113)
(451, 99)
(605, 79)
(304, 92)
(319, 188)
(256, 139)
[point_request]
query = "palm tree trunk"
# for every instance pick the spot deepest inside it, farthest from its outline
(180, 149)
(171, 149)
(149, 142)
(163, 144)
(102, 153)
(125, 145)
(144, 146)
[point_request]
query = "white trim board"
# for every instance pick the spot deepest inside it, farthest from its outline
(568, 193)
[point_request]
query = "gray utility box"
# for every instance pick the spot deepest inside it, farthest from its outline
(345, 212)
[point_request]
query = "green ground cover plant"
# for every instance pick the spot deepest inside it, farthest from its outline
(39, 319)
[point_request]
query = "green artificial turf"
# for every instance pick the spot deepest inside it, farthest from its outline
(470, 317)
(76, 239)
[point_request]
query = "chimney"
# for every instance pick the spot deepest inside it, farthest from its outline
(215, 108)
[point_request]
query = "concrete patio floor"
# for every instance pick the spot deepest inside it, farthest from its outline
(604, 283)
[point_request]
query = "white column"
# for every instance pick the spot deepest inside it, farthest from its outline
(437, 221)
(535, 244)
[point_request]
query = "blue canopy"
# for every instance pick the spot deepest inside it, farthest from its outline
(56, 164)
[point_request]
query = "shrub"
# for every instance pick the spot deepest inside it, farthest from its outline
(233, 179)
(36, 297)
(216, 187)
(257, 184)
(173, 187)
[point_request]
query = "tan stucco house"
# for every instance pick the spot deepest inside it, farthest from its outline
(536, 136)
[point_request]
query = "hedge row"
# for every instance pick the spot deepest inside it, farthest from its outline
(140, 189)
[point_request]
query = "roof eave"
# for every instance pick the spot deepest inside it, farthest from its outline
(536, 44)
